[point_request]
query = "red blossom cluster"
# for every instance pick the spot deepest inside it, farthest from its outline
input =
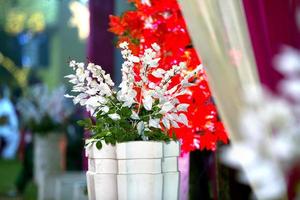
(161, 22)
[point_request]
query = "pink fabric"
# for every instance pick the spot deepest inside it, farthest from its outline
(100, 42)
(184, 168)
(100, 48)
(272, 24)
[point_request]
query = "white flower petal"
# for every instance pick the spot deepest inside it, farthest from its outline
(123, 45)
(166, 123)
(93, 101)
(155, 46)
(134, 115)
(105, 109)
(183, 119)
(114, 116)
(168, 106)
(154, 62)
(154, 123)
(172, 90)
(159, 73)
(71, 76)
(134, 59)
(183, 107)
(174, 124)
(147, 102)
(68, 96)
(140, 127)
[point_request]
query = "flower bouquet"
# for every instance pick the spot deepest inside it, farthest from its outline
(44, 113)
(137, 118)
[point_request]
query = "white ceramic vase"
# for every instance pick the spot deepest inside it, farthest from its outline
(171, 174)
(47, 163)
(102, 172)
(140, 170)
(135, 170)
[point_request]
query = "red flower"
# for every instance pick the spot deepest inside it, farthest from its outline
(116, 25)
(162, 22)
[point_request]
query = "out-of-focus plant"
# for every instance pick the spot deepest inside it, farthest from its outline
(271, 132)
(80, 18)
(18, 21)
(43, 111)
(36, 22)
(15, 22)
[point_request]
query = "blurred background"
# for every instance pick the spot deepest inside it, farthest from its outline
(38, 38)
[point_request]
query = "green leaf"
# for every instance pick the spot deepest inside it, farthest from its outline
(99, 145)
(174, 137)
(86, 122)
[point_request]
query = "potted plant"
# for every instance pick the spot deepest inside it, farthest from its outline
(132, 143)
(44, 114)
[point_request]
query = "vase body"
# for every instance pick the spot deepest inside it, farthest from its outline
(140, 170)
(171, 174)
(71, 185)
(135, 170)
(102, 172)
(47, 163)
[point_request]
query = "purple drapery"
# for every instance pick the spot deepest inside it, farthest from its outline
(184, 168)
(272, 24)
(100, 42)
(100, 49)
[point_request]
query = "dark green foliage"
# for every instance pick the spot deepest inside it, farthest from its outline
(110, 131)
(45, 126)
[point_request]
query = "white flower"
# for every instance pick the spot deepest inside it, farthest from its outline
(134, 59)
(154, 123)
(71, 76)
(94, 101)
(166, 107)
(172, 90)
(134, 115)
(68, 96)
(183, 119)
(291, 88)
(151, 85)
(94, 88)
(72, 63)
(105, 109)
(174, 124)
(105, 89)
(154, 62)
(79, 97)
(155, 46)
(166, 123)
(288, 62)
(147, 102)
(158, 73)
(182, 65)
(39, 102)
(140, 127)
(182, 107)
(124, 45)
(114, 116)
(91, 91)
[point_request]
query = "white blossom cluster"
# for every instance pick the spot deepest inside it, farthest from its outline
(40, 102)
(271, 132)
(136, 91)
(93, 85)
